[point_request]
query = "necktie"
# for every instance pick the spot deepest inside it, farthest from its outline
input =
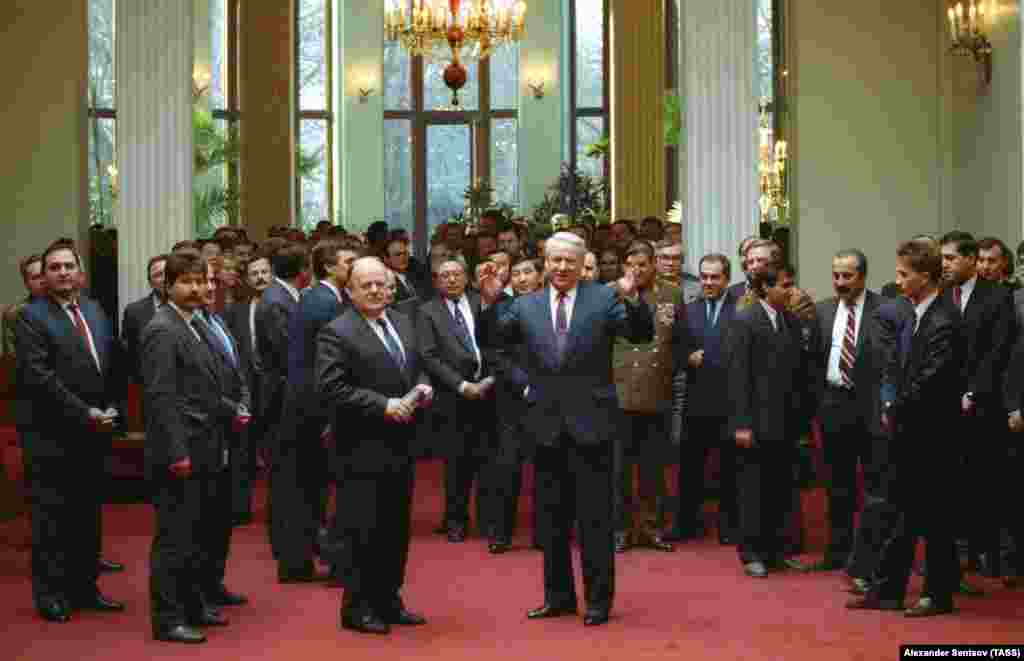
(392, 345)
(203, 331)
(460, 325)
(561, 325)
(849, 347)
(84, 332)
(222, 337)
(958, 297)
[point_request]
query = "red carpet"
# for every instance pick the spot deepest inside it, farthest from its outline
(693, 604)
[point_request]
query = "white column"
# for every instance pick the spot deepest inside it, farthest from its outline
(718, 88)
(154, 135)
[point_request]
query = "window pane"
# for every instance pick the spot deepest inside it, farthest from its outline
(312, 169)
(449, 167)
(397, 77)
(765, 63)
(504, 161)
(218, 54)
(312, 55)
(588, 131)
(213, 204)
(505, 78)
(438, 97)
(589, 53)
(101, 53)
(398, 202)
(102, 153)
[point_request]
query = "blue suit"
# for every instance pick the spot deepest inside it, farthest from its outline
(302, 475)
(571, 410)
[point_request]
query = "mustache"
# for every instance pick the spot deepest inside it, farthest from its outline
(842, 289)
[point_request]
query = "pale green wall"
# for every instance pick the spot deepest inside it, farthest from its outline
(987, 135)
(869, 148)
(43, 49)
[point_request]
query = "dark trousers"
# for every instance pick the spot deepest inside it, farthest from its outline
(460, 472)
(982, 507)
(221, 520)
(640, 442)
(300, 485)
(702, 435)
(574, 483)
(847, 440)
(375, 528)
(64, 495)
(504, 484)
(189, 546)
(764, 475)
(243, 473)
(1014, 468)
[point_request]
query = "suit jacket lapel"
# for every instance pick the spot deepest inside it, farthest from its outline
(70, 330)
(449, 320)
(575, 324)
(870, 303)
(93, 323)
(405, 334)
(205, 353)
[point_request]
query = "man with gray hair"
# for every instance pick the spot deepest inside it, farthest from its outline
(567, 330)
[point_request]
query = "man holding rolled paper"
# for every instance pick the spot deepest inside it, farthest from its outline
(371, 381)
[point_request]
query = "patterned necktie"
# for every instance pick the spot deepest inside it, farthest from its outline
(846, 355)
(391, 344)
(958, 297)
(460, 325)
(561, 325)
(84, 332)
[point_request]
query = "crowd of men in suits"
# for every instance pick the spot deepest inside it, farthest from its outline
(593, 358)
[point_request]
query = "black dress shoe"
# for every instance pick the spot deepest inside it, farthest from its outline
(622, 542)
(547, 610)
(499, 546)
(209, 617)
(873, 602)
(927, 607)
(404, 617)
(658, 543)
(98, 602)
(824, 564)
(107, 566)
(794, 564)
(456, 534)
(859, 586)
(1011, 582)
(307, 576)
(364, 622)
(181, 634)
(727, 539)
(221, 596)
(595, 617)
(755, 569)
(441, 529)
(53, 610)
(969, 590)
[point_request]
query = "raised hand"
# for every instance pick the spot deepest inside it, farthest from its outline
(490, 283)
(627, 284)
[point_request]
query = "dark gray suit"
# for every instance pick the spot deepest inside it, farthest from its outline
(572, 408)
(356, 375)
(188, 390)
(136, 315)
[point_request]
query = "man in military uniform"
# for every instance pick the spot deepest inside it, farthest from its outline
(643, 377)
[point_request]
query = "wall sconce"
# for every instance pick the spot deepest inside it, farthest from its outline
(537, 80)
(200, 83)
(967, 29)
(364, 87)
(537, 86)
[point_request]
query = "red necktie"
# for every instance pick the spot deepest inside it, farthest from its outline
(957, 297)
(849, 347)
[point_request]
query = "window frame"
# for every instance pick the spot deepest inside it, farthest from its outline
(479, 122)
(326, 115)
(232, 113)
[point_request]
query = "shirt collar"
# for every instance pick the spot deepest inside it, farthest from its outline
(325, 283)
(569, 295)
(923, 306)
(187, 316)
(858, 303)
(291, 290)
(772, 312)
(968, 286)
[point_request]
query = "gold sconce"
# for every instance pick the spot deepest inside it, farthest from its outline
(200, 83)
(968, 31)
(537, 86)
(364, 87)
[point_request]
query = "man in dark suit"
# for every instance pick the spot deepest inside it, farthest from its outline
(448, 328)
(567, 331)
(739, 290)
(240, 317)
(302, 458)
(371, 380)
(68, 387)
(278, 304)
(698, 338)
(397, 254)
(989, 330)
(138, 313)
(1010, 474)
(188, 452)
(923, 462)
(849, 361)
(768, 377)
(225, 348)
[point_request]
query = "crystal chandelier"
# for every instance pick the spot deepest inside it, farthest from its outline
(462, 31)
(967, 31)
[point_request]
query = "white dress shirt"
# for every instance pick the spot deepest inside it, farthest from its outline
(966, 290)
(570, 303)
(90, 342)
(834, 376)
(291, 290)
(467, 315)
(773, 314)
(252, 321)
(380, 333)
(922, 307)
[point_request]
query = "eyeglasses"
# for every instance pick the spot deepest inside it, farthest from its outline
(450, 275)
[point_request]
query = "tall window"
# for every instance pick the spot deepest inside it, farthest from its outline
(433, 150)
(588, 89)
(217, 173)
(771, 65)
(314, 167)
(102, 111)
